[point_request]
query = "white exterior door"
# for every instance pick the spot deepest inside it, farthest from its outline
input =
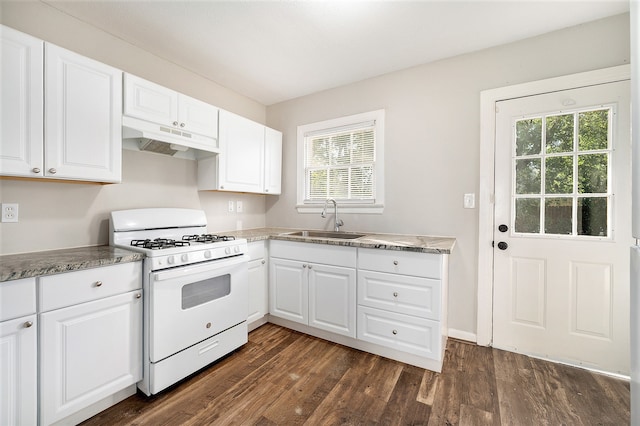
(563, 227)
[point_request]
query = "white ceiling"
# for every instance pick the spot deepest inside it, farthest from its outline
(273, 51)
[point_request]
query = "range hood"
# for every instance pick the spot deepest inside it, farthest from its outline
(161, 139)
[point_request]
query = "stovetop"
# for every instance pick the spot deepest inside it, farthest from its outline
(171, 237)
(187, 240)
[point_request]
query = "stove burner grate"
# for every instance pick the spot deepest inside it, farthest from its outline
(158, 243)
(207, 238)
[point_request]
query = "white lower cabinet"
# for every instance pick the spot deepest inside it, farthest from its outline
(398, 309)
(18, 352)
(90, 345)
(401, 301)
(314, 285)
(258, 285)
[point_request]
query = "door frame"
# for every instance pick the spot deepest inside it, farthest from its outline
(488, 99)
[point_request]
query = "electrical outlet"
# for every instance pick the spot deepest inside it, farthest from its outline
(230, 207)
(239, 207)
(9, 212)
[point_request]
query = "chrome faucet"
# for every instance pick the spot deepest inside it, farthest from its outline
(338, 222)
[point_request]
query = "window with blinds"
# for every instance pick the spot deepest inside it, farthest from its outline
(340, 163)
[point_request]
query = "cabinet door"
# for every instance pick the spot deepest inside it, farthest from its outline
(332, 299)
(21, 120)
(241, 163)
(197, 116)
(149, 101)
(88, 352)
(288, 290)
(258, 290)
(83, 117)
(272, 161)
(18, 371)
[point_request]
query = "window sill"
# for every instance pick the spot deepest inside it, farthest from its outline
(342, 208)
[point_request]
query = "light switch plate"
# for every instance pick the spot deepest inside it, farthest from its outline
(239, 207)
(470, 201)
(9, 212)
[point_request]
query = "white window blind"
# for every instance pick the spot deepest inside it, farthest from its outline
(340, 163)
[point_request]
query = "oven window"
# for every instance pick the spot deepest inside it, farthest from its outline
(205, 291)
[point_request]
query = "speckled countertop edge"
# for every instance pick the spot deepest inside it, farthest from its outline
(35, 264)
(27, 265)
(414, 243)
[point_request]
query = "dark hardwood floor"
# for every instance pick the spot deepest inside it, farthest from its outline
(282, 377)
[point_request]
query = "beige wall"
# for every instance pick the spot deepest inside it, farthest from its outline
(432, 138)
(61, 215)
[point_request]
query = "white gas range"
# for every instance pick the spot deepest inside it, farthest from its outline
(195, 288)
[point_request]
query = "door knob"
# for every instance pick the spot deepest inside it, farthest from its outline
(502, 245)
(503, 228)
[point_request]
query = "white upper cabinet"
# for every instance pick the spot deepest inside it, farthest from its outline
(250, 158)
(173, 113)
(21, 119)
(83, 117)
(61, 113)
(273, 161)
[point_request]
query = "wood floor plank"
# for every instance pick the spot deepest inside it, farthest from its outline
(282, 377)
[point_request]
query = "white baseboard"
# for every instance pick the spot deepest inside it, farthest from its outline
(463, 335)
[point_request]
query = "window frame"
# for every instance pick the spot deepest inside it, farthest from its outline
(346, 206)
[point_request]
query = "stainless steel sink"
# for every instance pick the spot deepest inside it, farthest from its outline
(327, 234)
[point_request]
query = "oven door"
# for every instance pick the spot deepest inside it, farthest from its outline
(192, 303)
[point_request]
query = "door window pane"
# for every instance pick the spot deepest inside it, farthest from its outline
(593, 130)
(527, 215)
(592, 173)
(559, 175)
(592, 216)
(528, 136)
(574, 163)
(557, 216)
(560, 133)
(528, 176)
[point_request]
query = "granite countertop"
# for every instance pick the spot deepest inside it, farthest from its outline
(26, 265)
(415, 243)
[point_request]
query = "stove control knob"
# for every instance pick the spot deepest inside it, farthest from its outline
(185, 257)
(236, 249)
(171, 260)
(227, 250)
(207, 254)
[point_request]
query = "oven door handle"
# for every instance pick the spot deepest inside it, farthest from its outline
(181, 272)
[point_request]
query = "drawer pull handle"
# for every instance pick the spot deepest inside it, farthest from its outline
(304, 265)
(395, 262)
(264, 261)
(28, 324)
(395, 294)
(138, 295)
(36, 170)
(208, 325)
(395, 331)
(309, 266)
(98, 283)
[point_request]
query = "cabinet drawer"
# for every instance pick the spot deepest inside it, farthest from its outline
(17, 298)
(401, 262)
(400, 293)
(58, 291)
(413, 335)
(314, 253)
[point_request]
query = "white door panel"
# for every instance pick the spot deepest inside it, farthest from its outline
(562, 197)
